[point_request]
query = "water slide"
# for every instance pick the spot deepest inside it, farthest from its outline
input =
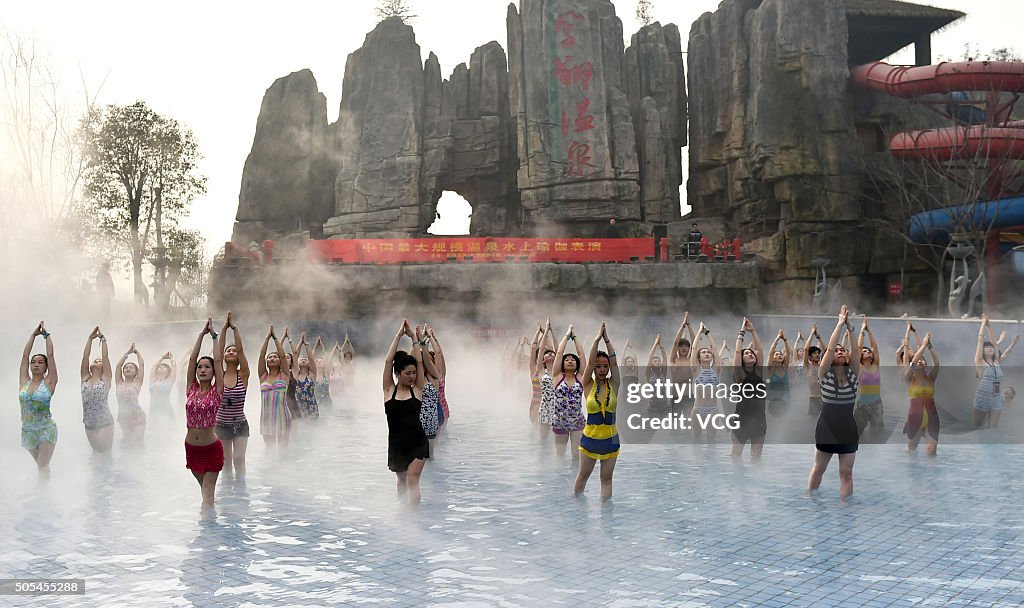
(998, 138)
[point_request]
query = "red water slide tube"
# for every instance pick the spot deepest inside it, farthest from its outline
(946, 77)
(959, 143)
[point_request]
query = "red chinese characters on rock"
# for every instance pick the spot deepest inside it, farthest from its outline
(579, 159)
(571, 74)
(583, 122)
(564, 25)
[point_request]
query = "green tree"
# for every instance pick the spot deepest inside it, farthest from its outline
(141, 173)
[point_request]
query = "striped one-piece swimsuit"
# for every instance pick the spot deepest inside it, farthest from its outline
(836, 431)
(275, 417)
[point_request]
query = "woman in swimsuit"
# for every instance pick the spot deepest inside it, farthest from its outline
(630, 371)
(778, 376)
(704, 368)
(160, 387)
(38, 381)
(325, 371)
(811, 365)
(797, 360)
(438, 364)
(681, 366)
(128, 380)
(96, 377)
(568, 420)
(430, 399)
(923, 417)
(988, 399)
(232, 425)
(305, 381)
(408, 448)
(869, 410)
(753, 424)
(836, 430)
(658, 372)
(544, 364)
(600, 436)
(274, 371)
(535, 360)
(204, 452)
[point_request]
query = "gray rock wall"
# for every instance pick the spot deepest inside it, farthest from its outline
(541, 142)
(287, 177)
(772, 133)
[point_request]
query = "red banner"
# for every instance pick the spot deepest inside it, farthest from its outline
(472, 249)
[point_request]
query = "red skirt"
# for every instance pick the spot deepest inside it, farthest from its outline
(204, 458)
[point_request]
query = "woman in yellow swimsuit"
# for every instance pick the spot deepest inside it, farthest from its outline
(600, 439)
(923, 417)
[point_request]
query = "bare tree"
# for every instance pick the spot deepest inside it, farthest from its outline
(42, 165)
(644, 12)
(958, 183)
(394, 8)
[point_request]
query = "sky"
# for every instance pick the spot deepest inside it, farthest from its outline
(208, 64)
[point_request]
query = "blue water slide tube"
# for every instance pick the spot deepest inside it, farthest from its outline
(936, 225)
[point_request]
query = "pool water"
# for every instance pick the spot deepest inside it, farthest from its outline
(319, 524)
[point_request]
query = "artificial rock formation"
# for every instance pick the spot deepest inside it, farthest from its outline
(379, 136)
(773, 146)
(576, 143)
(565, 133)
(287, 178)
(656, 88)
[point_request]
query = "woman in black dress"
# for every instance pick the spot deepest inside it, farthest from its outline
(836, 431)
(749, 373)
(407, 444)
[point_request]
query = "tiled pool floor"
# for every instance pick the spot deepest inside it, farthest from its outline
(319, 526)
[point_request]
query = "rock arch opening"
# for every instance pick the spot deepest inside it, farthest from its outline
(452, 216)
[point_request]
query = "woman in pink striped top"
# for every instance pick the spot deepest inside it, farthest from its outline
(232, 425)
(204, 453)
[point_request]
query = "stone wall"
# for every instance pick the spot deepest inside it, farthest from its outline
(301, 290)
(773, 147)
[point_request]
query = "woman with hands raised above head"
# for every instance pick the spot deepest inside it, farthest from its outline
(403, 382)
(600, 439)
(204, 452)
(753, 423)
(96, 379)
(922, 417)
(232, 425)
(568, 421)
(38, 381)
(129, 377)
(836, 430)
(275, 371)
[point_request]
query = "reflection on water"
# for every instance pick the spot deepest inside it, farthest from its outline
(320, 525)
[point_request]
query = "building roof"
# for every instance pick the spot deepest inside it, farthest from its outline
(879, 28)
(895, 8)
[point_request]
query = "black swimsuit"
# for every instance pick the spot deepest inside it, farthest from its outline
(753, 423)
(406, 440)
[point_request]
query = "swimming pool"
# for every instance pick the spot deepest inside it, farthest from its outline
(498, 526)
